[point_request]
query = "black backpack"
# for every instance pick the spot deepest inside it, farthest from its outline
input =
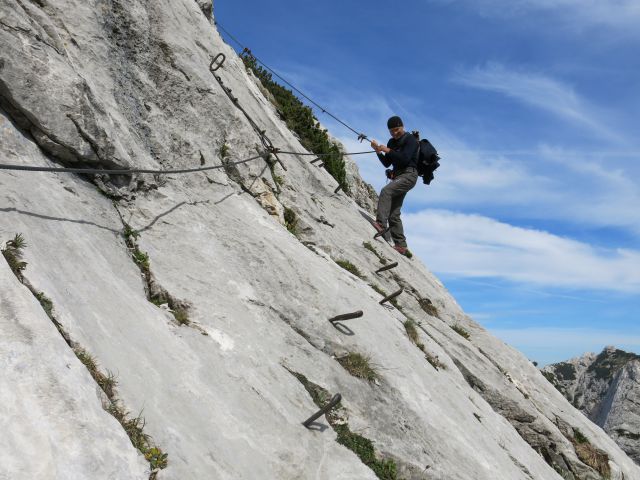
(428, 159)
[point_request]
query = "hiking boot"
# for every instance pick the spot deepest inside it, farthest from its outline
(402, 250)
(378, 226)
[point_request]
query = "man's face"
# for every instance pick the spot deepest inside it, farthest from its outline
(396, 132)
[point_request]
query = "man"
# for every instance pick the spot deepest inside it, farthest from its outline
(401, 152)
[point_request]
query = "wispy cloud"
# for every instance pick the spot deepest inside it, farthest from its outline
(575, 14)
(537, 90)
(476, 246)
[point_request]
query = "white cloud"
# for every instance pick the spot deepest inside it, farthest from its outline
(575, 14)
(537, 90)
(475, 246)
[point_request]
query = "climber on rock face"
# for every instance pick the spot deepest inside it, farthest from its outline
(401, 152)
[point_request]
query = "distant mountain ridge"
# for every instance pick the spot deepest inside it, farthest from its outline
(605, 387)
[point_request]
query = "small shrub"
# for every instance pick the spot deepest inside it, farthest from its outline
(461, 331)
(141, 258)
(359, 366)
(279, 180)
(435, 361)
(301, 120)
(291, 220)
(106, 382)
(181, 316)
(412, 331)
(350, 267)
(428, 307)
(12, 252)
(223, 151)
(46, 303)
(156, 458)
(579, 437)
(130, 235)
(589, 455)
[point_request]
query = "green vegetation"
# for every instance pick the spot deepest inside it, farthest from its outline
(223, 151)
(412, 331)
(373, 250)
(181, 315)
(300, 119)
(291, 220)
(460, 331)
(566, 371)
(385, 469)
(435, 361)
(12, 253)
(363, 448)
(589, 455)
(134, 427)
(624, 433)
(608, 363)
(378, 289)
(46, 303)
(350, 267)
(550, 377)
(139, 257)
(428, 307)
(359, 366)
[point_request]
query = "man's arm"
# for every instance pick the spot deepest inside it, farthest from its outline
(405, 156)
(384, 159)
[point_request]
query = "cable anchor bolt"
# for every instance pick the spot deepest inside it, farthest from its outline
(329, 406)
(218, 60)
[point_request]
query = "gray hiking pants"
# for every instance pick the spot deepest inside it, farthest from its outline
(390, 202)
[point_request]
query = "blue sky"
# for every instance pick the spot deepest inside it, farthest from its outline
(533, 220)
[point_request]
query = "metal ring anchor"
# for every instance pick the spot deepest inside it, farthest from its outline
(218, 63)
(391, 297)
(387, 267)
(334, 401)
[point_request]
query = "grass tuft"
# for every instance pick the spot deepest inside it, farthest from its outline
(372, 249)
(46, 303)
(363, 448)
(460, 331)
(359, 366)
(590, 455)
(412, 331)
(12, 252)
(181, 315)
(350, 267)
(291, 220)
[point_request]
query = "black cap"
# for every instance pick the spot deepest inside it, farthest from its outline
(394, 122)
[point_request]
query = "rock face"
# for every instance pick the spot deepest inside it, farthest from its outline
(606, 389)
(224, 381)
